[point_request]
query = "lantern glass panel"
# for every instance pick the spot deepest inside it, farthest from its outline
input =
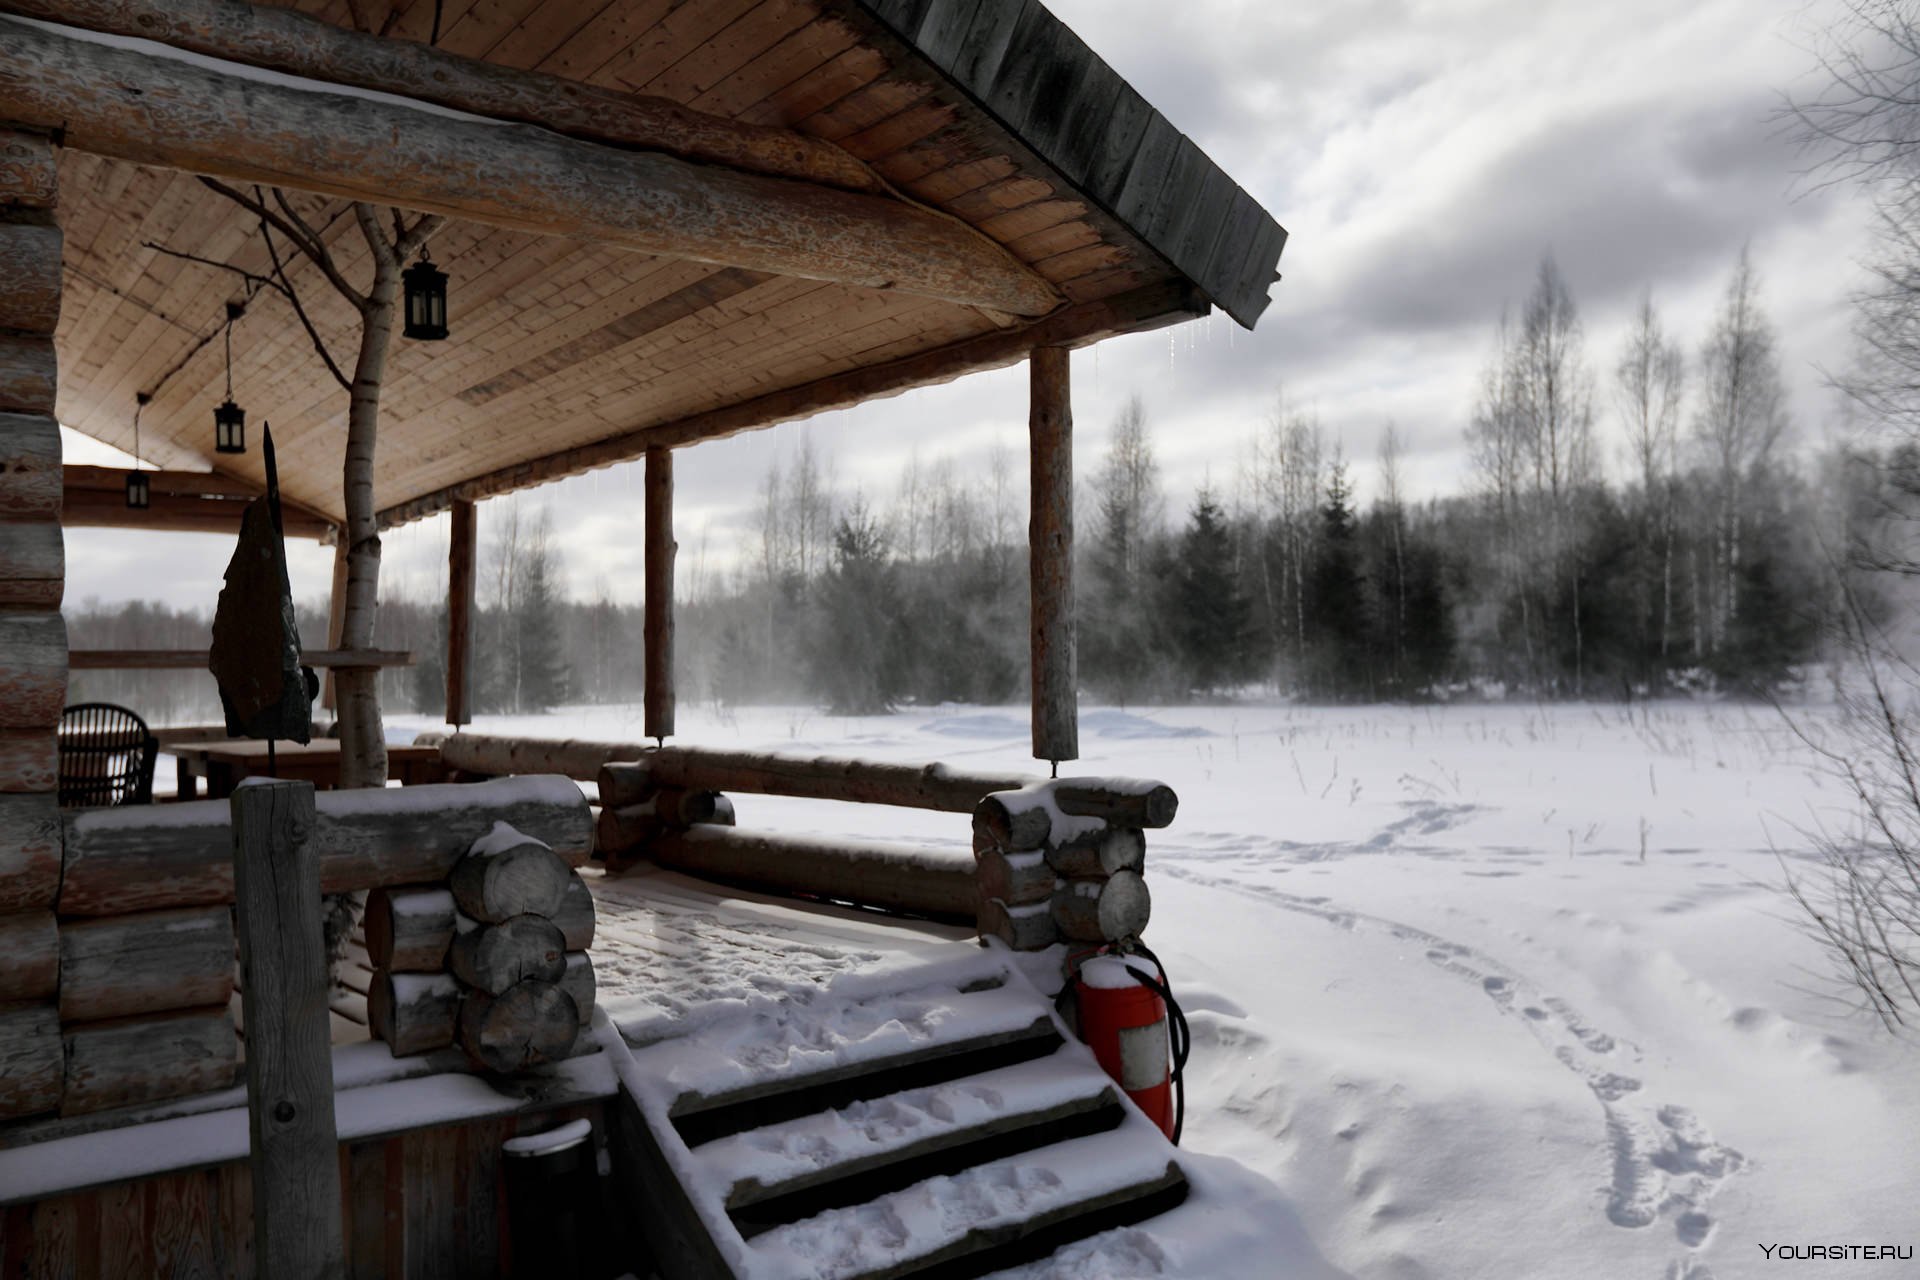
(137, 490)
(230, 428)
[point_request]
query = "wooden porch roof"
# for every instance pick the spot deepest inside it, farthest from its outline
(568, 355)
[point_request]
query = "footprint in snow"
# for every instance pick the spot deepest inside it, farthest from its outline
(1664, 1160)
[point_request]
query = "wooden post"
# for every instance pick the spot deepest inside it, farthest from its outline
(1056, 731)
(460, 563)
(336, 612)
(661, 549)
(294, 1155)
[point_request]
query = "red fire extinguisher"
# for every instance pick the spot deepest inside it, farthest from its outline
(1129, 1018)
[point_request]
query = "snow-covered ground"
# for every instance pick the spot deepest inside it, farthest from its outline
(1487, 991)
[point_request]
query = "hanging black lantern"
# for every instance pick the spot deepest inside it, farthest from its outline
(230, 420)
(230, 428)
(426, 301)
(139, 494)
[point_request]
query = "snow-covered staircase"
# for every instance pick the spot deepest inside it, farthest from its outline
(942, 1131)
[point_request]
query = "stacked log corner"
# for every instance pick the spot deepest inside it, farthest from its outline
(636, 809)
(33, 638)
(493, 958)
(1064, 861)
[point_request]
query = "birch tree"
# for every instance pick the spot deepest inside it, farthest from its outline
(1742, 415)
(391, 238)
(1649, 381)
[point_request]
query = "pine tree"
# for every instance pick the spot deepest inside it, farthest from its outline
(852, 653)
(1336, 592)
(544, 677)
(1209, 614)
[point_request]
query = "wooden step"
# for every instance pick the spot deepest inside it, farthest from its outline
(701, 1118)
(911, 1137)
(1116, 1179)
(778, 1159)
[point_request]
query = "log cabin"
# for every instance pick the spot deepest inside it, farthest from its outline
(669, 223)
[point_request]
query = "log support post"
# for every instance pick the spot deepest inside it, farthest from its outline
(1056, 732)
(661, 549)
(33, 639)
(460, 570)
(283, 961)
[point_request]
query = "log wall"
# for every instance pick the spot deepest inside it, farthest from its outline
(490, 955)
(1051, 871)
(424, 1203)
(33, 637)
(118, 944)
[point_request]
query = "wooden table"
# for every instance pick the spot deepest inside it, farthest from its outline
(224, 764)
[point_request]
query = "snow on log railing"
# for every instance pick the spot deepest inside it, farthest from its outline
(1054, 860)
(116, 991)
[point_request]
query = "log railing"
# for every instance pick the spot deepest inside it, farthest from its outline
(1055, 860)
(116, 990)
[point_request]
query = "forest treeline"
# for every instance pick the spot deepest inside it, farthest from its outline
(1698, 560)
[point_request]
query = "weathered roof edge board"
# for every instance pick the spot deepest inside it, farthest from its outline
(1040, 81)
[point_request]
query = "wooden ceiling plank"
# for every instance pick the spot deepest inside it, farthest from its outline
(779, 67)
(647, 363)
(618, 332)
(540, 33)
(1059, 238)
(1030, 218)
(681, 29)
(1075, 263)
(819, 88)
(603, 38)
(108, 244)
(707, 63)
(865, 108)
(1110, 282)
(900, 130)
(514, 335)
(1151, 307)
(928, 156)
(962, 179)
(996, 198)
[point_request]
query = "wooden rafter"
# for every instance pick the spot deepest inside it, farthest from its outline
(1153, 307)
(160, 110)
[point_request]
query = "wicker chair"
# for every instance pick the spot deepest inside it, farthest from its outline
(106, 756)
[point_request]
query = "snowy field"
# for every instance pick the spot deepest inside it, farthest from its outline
(1488, 991)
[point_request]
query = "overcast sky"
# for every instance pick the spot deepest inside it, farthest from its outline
(1422, 156)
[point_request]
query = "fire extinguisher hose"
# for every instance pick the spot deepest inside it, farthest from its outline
(1178, 1032)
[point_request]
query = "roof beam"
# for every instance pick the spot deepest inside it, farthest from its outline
(153, 105)
(300, 45)
(1152, 307)
(178, 501)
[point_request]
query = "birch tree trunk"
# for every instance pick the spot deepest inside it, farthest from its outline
(363, 748)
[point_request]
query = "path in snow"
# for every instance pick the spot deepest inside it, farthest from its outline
(1665, 1162)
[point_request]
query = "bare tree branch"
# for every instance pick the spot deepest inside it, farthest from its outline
(317, 253)
(293, 296)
